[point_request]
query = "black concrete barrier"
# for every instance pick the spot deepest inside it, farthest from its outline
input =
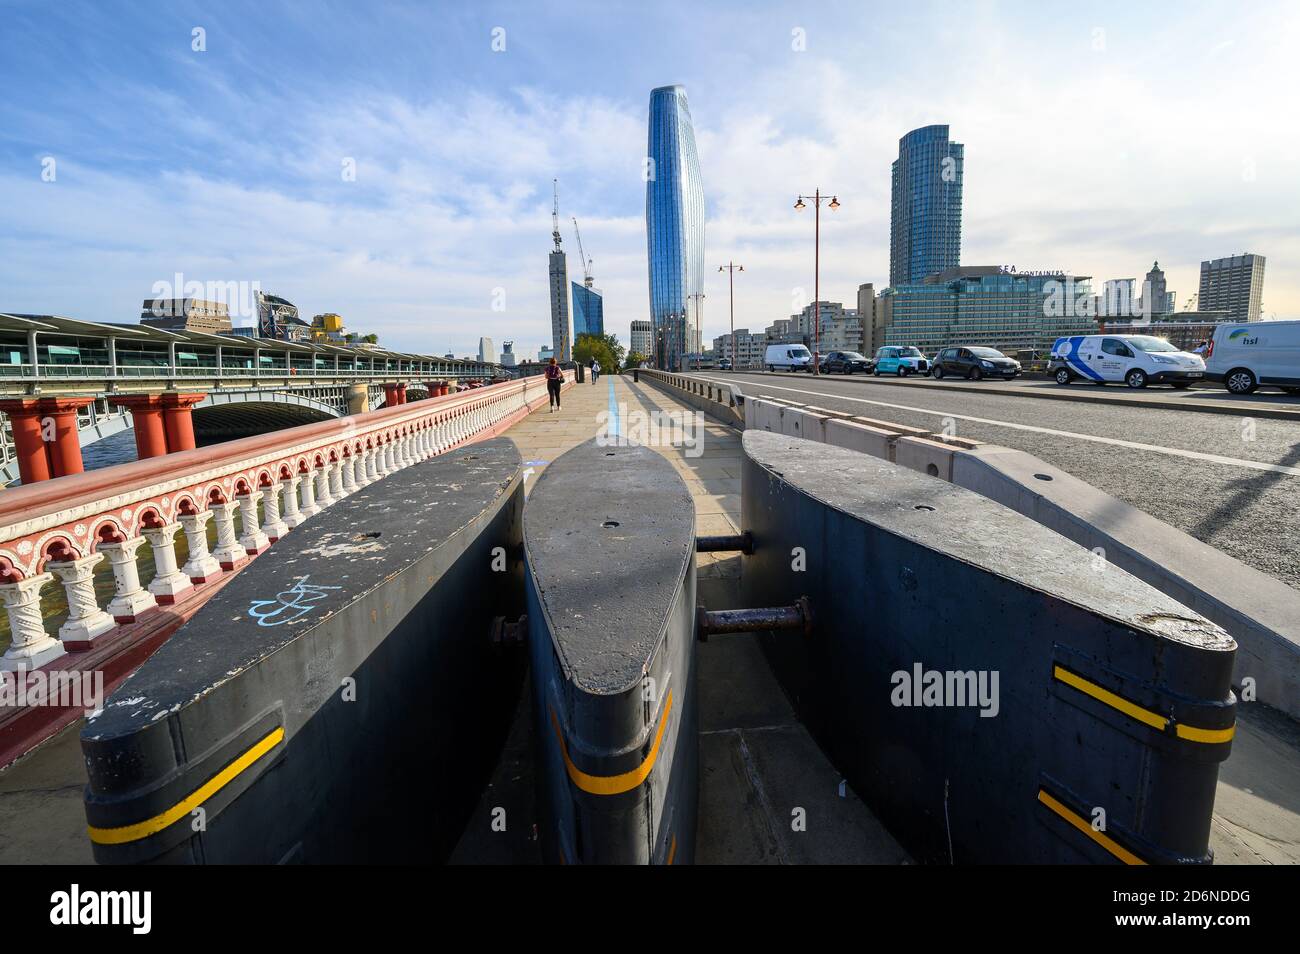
(993, 691)
(609, 540)
(339, 700)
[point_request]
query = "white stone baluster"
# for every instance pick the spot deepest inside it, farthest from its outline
(169, 581)
(309, 505)
(293, 515)
(360, 467)
(273, 524)
(381, 459)
(201, 565)
(30, 646)
(348, 475)
(229, 552)
(132, 599)
(251, 537)
(324, 496)
(85, 618)
(372, 464)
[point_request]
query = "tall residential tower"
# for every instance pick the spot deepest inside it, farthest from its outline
(561, 340)
(1233, 284)
(925, 205)
(674, 224)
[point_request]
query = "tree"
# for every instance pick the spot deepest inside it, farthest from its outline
(635, 359)
(604, 348)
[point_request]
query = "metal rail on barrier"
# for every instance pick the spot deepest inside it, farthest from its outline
(992, 690)
(609, 539)
(344, 703)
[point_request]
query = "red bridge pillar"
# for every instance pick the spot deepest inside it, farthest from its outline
(390, 395)
(178, 420)
(147, 418)
(45, 436)
(401, 393)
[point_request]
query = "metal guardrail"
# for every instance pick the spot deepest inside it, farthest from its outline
(134, 372)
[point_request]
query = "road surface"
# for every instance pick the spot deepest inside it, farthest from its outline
(1232, 480)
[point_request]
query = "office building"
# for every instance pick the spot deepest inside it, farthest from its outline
(872, 315)
(544, 354)
(186, 314)
(1234, 284)
(750, 349)
(508, 354)
(925, 205)
(674, 215)
(642, 338)
(588, 311)
(991, 307)
(487, 351)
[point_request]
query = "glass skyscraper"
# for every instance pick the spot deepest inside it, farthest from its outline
(674, 224)
(925, 205)
(588, 311)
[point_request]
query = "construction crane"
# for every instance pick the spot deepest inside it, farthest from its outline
(555, 214)
(586, 262)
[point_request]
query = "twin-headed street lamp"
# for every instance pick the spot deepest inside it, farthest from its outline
(731, 268)
(817, 199)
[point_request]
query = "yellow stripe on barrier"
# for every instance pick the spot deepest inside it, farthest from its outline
(1101, 838)
(151, 826)
(614, 784)
(1190, 733)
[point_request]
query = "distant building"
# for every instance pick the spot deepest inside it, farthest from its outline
(245, 331)
(588, 311)
(642, 338)
(839, 328)
(487, 351)
(328, 328)
(1155, 296)
(674, 219)
(1118, 298)
(925, 205)
(989, 306)
(508, 354)
(276, 317)
(750, 349)
(1235, 284)
(544, 354)
(186, 314)
(872, 315)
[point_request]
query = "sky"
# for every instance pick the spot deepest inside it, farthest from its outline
(392, 162)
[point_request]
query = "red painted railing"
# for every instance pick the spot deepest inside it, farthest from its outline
(63, 528)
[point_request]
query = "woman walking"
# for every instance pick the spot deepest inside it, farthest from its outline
(554, 377)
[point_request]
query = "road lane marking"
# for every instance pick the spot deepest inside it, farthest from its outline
(1094, 438)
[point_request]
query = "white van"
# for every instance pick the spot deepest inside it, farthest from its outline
(1244, 356)
(788, 357)
(1137, 360)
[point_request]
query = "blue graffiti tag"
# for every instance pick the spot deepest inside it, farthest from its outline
(300, 598)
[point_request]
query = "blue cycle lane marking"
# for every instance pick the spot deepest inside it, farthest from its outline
(614, 427)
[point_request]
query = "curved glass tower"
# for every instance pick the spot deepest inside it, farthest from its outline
(925, 206)
(674, 225)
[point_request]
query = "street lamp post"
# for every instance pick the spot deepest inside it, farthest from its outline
(731, 268)
(817, 199)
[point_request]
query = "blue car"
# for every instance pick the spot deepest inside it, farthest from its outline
(900, 360)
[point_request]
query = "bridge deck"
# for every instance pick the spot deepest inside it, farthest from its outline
(758, 763)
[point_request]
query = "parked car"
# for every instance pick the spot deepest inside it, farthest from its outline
(724, 364)
(900, 360)
(788, 357)
(1137, 360)
(1243, 357)
(845, 362)
(975, 363)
